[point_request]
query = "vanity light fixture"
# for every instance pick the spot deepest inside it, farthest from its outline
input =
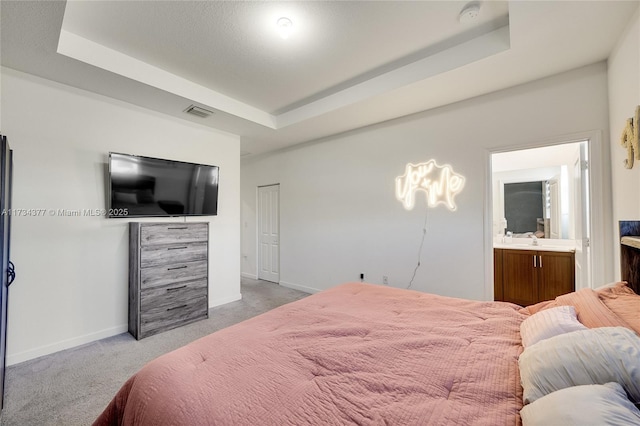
(285, 27)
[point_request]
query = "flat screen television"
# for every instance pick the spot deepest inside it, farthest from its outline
(149, 187)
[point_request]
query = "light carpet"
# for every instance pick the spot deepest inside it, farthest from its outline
(72, 387)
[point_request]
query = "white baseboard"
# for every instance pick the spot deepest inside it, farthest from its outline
(91, 337)
(224, 300)
(248, 275)
(65, 344)
(300, 287)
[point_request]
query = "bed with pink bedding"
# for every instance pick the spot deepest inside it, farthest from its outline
(355, 354)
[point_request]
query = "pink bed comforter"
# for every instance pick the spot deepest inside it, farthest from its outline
(355, 354)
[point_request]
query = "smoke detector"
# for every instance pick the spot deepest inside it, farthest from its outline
(198, 111)
(469, 13)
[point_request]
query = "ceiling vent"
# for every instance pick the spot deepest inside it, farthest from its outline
(198, 111)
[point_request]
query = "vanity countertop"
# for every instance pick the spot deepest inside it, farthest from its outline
(540, 247)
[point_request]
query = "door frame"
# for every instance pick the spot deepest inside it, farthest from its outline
(598, 180)
(258, 218)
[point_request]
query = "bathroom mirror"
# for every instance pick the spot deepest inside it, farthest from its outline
(534, 192)
(533, 203)
(525, 208)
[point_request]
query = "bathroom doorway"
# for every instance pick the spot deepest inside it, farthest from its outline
(543, 193)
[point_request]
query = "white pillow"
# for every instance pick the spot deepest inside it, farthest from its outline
(600, 405)
(549, 323)
(587, 357)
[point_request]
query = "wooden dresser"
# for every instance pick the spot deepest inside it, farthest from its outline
(168, 276)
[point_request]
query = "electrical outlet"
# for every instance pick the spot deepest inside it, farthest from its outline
(385, 280)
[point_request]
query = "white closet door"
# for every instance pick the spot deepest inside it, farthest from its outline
(269, 233)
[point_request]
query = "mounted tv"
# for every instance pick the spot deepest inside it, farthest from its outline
(153, 187)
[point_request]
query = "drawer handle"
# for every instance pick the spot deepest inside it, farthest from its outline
(176, 307)
(176, 288)
(177, 267)
(178, 227)
(176, 248)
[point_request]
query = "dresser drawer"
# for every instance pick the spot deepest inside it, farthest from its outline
(155, 322)
(155, 276)
(172, 254)
(171, 295)
(163, 233)
(163, 307)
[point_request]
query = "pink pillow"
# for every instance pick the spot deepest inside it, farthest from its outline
(623, 302)
(615, 287)
(540, 306)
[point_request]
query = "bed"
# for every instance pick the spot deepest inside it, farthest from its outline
(368, 355)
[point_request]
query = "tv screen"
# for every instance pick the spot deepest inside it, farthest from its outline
(145, 187)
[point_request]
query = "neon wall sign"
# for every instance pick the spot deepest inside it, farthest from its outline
(440, 184)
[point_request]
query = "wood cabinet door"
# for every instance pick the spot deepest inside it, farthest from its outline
(519, 280)
(556, 272)
(498, 285)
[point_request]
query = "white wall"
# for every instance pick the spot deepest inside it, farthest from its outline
(71, 285)
(555, 155)
(339, 215)
(624, 96)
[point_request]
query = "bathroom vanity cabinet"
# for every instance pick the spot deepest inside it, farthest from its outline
(526, 277)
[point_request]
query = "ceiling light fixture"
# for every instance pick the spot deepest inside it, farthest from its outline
(469, 13)
(285, 27)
